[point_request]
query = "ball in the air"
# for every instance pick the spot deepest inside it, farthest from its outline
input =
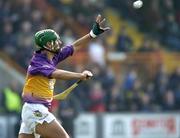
(137, 4)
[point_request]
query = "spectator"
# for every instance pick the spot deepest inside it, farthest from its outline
(97, 52)
(2, 103)
(129, 80)
(174, 79)
(177, 97)
(12, 99)
(68, 111)
(169, 103)
(161, 82)
(145, 103)
(116, 100)
(97, 98)
(146, 46)
(68, 37)
(8, 40)
(124, 42)
(171, 32)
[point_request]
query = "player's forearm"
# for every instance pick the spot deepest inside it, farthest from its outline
(96, 30)
(66, 75)
(81, 42)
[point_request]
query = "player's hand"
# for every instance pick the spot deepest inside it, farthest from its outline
(86, 75)
(98, 27)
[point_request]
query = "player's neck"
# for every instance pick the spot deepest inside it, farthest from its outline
(50, 55)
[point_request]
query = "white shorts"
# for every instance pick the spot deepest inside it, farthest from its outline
(33, 114)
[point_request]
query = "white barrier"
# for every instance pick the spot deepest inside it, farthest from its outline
(128, 126)
(141, 126)
(113, 126)
(8, 126)
(3, 127)
(85, 126)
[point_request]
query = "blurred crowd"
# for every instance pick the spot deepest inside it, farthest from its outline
(159, 19)
(22, 18)
(160, 92)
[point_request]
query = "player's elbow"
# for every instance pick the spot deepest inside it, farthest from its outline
(59, 74)
(75, 47)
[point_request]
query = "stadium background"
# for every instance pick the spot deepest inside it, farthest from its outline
(136, 66)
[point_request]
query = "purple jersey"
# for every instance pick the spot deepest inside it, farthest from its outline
(40, 65)
(39, 86)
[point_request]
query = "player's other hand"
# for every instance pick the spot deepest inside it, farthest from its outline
(85, 75)
(98, 27)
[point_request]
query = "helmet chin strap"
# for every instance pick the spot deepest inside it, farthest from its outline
(51, 49)
(55, 52)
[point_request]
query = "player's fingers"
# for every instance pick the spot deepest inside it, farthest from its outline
(89, 74)
(98, 18)
(106, 28)
(101, 22)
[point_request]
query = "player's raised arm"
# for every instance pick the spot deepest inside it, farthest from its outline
(68, 75)
(96, 30)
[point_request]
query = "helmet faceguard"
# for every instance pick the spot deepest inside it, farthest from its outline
(47, 36)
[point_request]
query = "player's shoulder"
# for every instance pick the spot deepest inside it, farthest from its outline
(67, 47)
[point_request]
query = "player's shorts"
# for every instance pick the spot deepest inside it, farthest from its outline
(33, 114)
